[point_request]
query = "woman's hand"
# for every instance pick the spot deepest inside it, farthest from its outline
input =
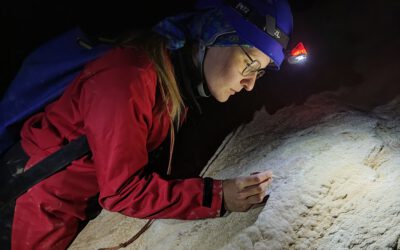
(243, 192)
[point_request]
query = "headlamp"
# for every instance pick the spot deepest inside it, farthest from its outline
(298, 54)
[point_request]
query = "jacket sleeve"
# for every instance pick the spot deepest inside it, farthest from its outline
(116, 106)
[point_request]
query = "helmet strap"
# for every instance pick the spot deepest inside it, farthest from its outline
(201, 87)
(203, 90)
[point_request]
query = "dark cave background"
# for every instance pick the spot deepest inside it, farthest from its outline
(332, 31)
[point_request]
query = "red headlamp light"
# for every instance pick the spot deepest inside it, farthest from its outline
(298, 54)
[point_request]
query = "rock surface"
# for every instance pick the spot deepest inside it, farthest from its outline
(336, 185)
(335, 158)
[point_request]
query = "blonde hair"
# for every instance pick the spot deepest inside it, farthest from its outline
(154, 46)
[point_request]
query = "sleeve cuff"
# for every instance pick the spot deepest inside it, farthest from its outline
(207, 192)
(213, 196)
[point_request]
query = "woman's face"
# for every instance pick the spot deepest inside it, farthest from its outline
(223, 67)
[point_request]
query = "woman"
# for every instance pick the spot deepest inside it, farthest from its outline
(128, 102)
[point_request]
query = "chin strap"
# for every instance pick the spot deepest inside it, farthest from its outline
(201, 87)
(203, 90)
(188, 77)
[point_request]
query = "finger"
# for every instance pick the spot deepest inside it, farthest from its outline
(255, 179)
(256, 199)
(261, 203)
(260, 188)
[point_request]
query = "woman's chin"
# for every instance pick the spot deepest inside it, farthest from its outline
(222, 98)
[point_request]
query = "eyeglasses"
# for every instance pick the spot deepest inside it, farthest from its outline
(252, 67)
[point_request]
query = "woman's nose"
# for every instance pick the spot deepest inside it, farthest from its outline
(248, 83)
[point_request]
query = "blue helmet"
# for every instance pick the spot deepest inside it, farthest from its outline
(265, 24)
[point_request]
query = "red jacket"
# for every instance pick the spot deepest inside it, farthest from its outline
(112, 102)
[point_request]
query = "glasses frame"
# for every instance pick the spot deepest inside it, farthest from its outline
(252, 67)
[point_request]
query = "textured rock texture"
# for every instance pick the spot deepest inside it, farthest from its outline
(336, 185)
(335, 157)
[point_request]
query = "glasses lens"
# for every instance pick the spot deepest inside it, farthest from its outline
(251, 68)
